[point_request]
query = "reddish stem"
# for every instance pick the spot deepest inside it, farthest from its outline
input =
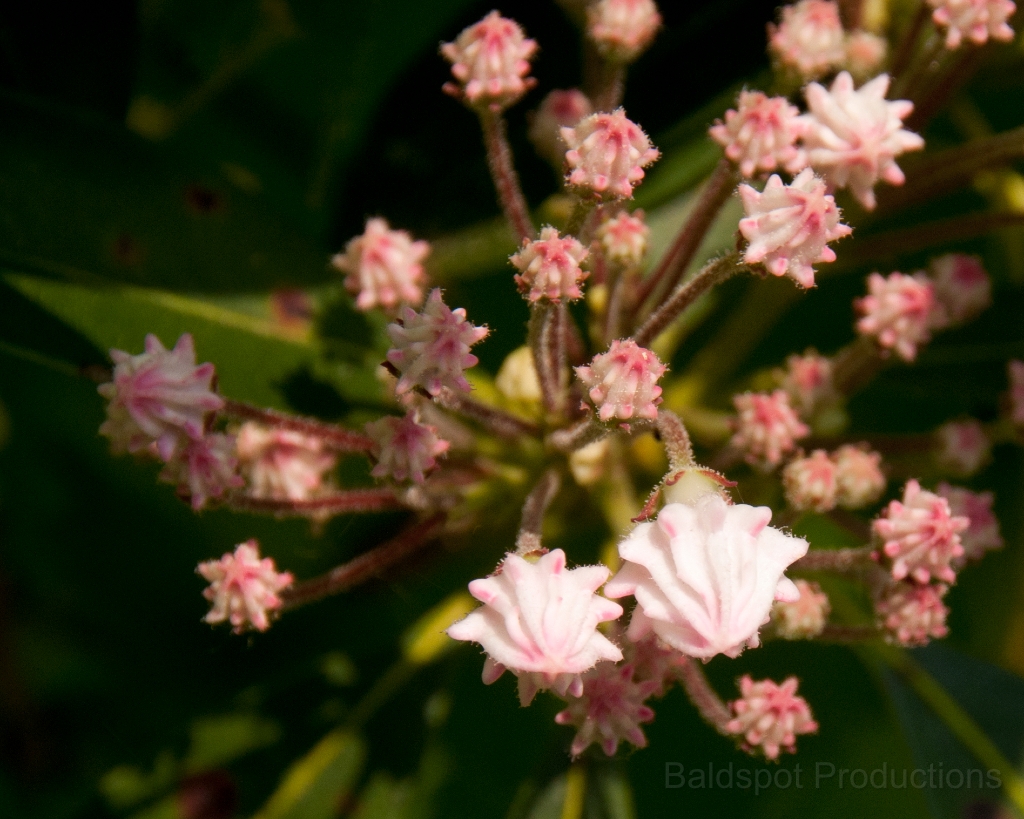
(834, 633)
(343, 440)
(579, 435)
(497, 421)
(676, 439)
(905, 50)
(710, 706)
(547, 342)
(350, 501)
(503, 172)
(835, 560)
(537, 502)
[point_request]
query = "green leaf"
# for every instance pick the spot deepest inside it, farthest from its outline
(220, 739)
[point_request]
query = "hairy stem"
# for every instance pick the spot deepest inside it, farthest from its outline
(547, 342)
(703, 696)
(500, 423)
(343, 440)
(503, 172)
(345, 502)
(676, 439)
(835, 560)
(578, 436)
(537, 502)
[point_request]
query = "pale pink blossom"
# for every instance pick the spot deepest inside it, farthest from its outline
(769, 716)
(859, 477)
(204, 468)
(622, 29)
(899, 312)
(807, 380)
(490, 59)
(431, 347)
(559, 109)
(384, 266)
(919, 537)
(549, 267)
(804, 618)
(1015, 370)
(962, 286)
(809, 38)
(788, 227)
(976, 20)
(854, 136)
(705, 576)
(159, 398)
(911, 614)
(405, 448)
(983, 532)
(767, 427)
(761, 134)
(281, 464)
(243, 588)
(539, 621)
(865, 53)
(963, 447)
(607, 154)
(610, 709)
(623, 382)
(623, 238)
(810, 482)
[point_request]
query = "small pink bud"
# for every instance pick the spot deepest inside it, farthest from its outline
(623, 382)
(807, 380)
(805, 618)
(607, 154)
(243, 588)
(963, 447)
(655, 661)
(204, 468)
(623, 238)
(767, 428)
(859, 477)
(976, 20)
(899, 312)
(549, 267)
(383, 266)
(539, 621)
(854, 136)
(912, 615)
(808, 39)
(159, 398)
(431, 347)
(282, 464)
(622, 29)
(788, 227)
(761, 134)
(559, 109)
(810, 482)
(490, 60)
(983, 532)
(1015, 370)
(404, 448)
(769, 716)
(962, 286)
(865, 53)
(920, 537)
(705, 575)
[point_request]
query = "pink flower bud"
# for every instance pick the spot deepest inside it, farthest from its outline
(808, 39)
(559, 109)
(899, 312)
(788, 227)
(203, 469)
(963, 447)
(607, 154)
(859, 477)
(1015, 370)
(243, 588)
(807, 380)
(432, 347)
(912, 615)
(920, 537)
(622, 29)
(761, 134)
(854, 136)
(623, 238)
(865, 53)
(705, 576)
(811, 482)
(983, 532)
(769, 716)
(549, 267)
(610, 709)
(962, 286)
(623, 382)
(404, 448)
(282, 464)
(767, 428)
(805, 618)
(490, 60)
(540, 621)
(977, 20)
(383, 266)
(159, 398)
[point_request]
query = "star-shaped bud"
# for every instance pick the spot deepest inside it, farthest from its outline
(859, 477)
(788, 227)
(404, 448)
(810, 482)
(805, 618)
(384, 266)
(622, 29)
(769, 716)
(623, 238)
(490, 61)
(549, 267)
(975, 20)
(912, 615)
(767, 427)
(899, 312)
(809, 38)
(761, 134)
(281, 464)
(607, 154)
(865, 53)
(982, 534)
(623, 382)
(559, 109)
(807, 380)
(962, 286)
(203, 469)
(854, 135)
(963, 447)
(243, 588)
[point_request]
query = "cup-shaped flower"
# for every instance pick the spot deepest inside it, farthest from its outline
(705, 576)
(761, 134)
(384, 266)
(549, 267)
(243, 587)
(975, 20)
(607, 155)
(539, 621)
(769, 716)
